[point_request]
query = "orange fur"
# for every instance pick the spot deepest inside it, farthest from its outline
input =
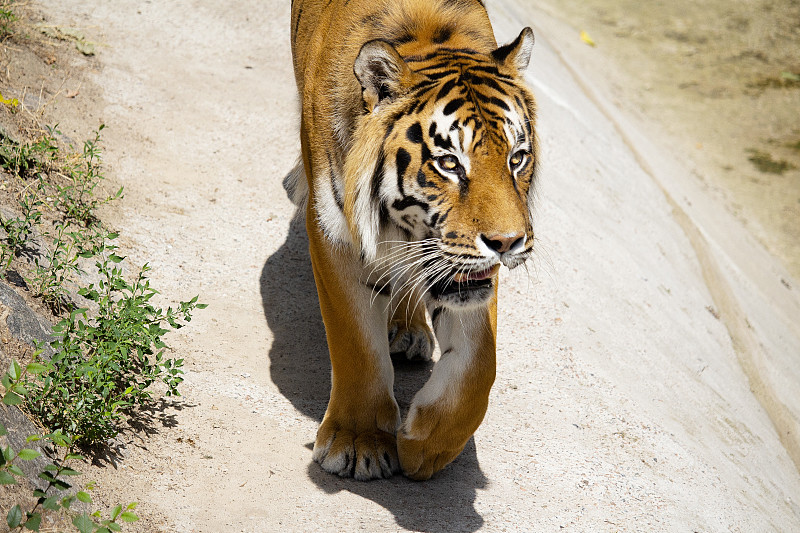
(360, 67)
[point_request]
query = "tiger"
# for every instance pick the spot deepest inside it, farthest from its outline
(417, 176)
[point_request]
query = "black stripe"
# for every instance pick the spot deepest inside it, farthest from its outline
(453, 106)
(377, 177)
(493, 72)
(438, 75)
(445, 90)
(426, 153)
(402, 39)
(297, 23)
(442, 34)
(457, 53)
(499, 103)
(442, 142)
(402, 160)
(336, 196)
(408, 201)
(481, 80)
(443, 217)
(414, 133)
(422, 180)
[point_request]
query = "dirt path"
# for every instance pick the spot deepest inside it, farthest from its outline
(619, 400)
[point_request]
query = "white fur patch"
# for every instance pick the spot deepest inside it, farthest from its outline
(457, 333)
(329, 216)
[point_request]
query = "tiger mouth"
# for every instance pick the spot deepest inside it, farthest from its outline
(463, 283)
(465, 277)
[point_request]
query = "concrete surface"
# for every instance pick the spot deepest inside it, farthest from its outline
(622, 402)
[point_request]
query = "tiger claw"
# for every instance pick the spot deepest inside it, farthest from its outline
(413, 342)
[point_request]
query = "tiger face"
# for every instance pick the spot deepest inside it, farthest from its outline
(457, 165)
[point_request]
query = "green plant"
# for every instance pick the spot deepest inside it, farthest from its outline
(105, 360)
(76, 199)
(28, 158)
(55, 475)
(56, 267)
(7, 17)
(104, 364)
(19, 230)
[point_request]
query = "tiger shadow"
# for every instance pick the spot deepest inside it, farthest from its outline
(300, 368)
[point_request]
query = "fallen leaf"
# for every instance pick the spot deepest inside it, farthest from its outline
(11, 102)
(588, 40)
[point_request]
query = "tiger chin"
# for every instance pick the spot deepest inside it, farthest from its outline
(419, 155)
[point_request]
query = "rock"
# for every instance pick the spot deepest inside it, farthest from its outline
(23, 323)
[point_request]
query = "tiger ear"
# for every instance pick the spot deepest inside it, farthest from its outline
(516, 54)
(383, 74)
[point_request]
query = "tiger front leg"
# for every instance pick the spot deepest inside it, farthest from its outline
(409, 334)
(357, 435)
(449, 408)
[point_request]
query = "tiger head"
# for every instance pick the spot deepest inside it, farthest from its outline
(452, 148)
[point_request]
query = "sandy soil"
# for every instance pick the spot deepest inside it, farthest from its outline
(721, 80)
(623, 400)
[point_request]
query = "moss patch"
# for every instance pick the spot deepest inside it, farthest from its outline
(765, 163)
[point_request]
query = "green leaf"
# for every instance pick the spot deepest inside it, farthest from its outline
(6, 478)
(57, 483)
(83, 523)
(33, 522)
(128, 516)
(12, 398)
(14, 517)
(3, 430)
(84, 497)
(26, 454)
(70, 472)
(115, 513)
(14, 370)
(36, 368)
(114, 526)
(17, 471)
(51, 503)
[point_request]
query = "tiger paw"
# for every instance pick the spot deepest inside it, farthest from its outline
(420, 459)
(363, 456)
(413, 341)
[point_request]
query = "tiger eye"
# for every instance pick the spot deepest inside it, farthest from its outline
(449, 162)
(516, 159)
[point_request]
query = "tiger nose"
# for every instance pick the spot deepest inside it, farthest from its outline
(501, 243)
